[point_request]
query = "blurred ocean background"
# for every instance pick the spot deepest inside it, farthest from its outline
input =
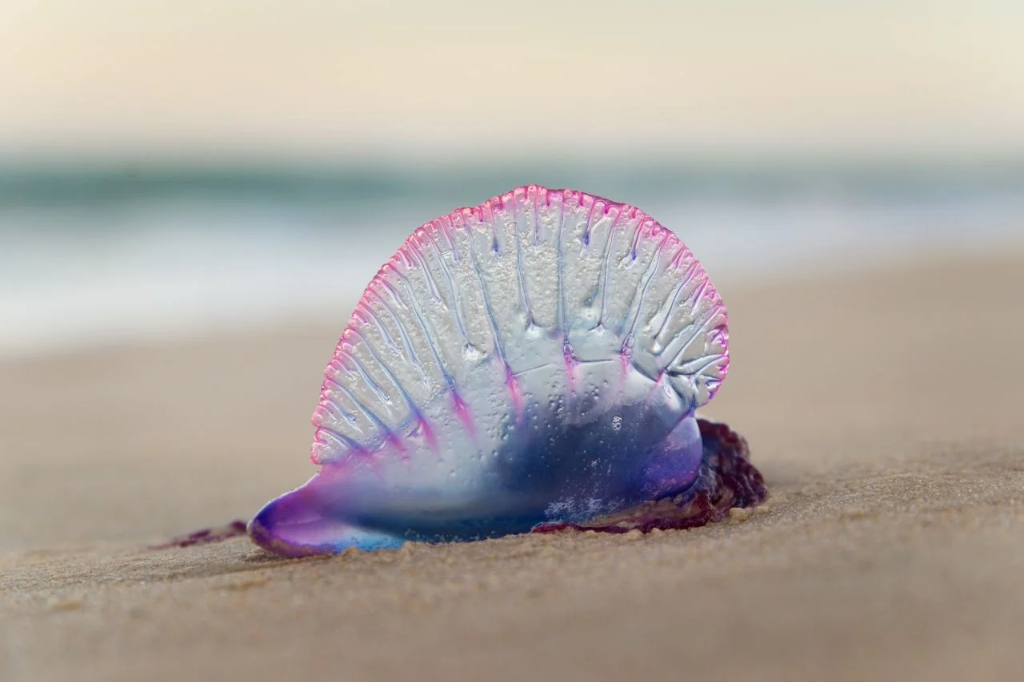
(170, 169)
(112, 254)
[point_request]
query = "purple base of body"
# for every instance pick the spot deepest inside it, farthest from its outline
(727, 479)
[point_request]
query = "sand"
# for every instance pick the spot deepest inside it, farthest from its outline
(883, 407)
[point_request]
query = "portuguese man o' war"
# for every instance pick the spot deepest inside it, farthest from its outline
(531, 364)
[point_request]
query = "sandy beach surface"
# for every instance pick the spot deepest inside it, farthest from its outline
(884, 408)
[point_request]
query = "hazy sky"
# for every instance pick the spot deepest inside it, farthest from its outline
(327, 76)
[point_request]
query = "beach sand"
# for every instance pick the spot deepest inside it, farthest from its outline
(884, 408)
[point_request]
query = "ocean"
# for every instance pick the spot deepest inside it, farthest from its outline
(101, 253)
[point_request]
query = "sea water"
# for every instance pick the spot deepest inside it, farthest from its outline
(92, 254)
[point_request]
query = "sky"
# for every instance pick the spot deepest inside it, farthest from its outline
(337, 77)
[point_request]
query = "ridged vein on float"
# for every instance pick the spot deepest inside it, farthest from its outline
(450, 337)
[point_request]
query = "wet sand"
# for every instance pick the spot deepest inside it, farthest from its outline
(884, 409)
